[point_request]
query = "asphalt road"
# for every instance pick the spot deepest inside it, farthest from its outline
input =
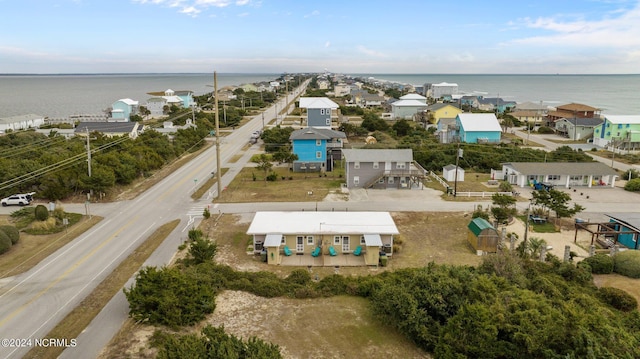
(33, 302)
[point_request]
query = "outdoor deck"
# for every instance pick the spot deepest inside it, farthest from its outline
(306, 260)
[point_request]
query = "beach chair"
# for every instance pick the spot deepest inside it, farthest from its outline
(358, 251)
(287, 251)
(316, 252)
(332, 251)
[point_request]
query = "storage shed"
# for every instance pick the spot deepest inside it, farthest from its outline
(482, 236)
(449, 173)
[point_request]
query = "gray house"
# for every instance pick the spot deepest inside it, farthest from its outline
(319, 111)
(564, 174)
(577, 128)
(382, 168)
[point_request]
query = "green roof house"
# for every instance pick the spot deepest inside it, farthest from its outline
(482, 236)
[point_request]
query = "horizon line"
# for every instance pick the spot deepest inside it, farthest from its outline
(306, 72)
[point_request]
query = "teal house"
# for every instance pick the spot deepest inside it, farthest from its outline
(316, 149)
(620, 132)
(478, 128)
(629, 224)
(122, 109)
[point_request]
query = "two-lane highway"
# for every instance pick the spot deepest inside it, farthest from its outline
(32, 303)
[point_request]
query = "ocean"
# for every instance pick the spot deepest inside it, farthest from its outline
(59, 96)
(613, 94)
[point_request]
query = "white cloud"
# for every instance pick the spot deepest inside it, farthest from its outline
(327, 44)
(313, 14)
(192, 11)
(621, 31)
(370, 52)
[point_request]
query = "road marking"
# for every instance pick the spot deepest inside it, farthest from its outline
(64, 275)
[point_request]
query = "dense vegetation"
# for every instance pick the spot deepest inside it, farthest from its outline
(56, 167)
(508, 307)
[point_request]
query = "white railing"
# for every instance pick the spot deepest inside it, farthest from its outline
(442, 182)
(482, 194)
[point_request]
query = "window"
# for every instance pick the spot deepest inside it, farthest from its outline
(618, 134)
(401, 165)
(619, 125)
(283, 241)
(318, 142)
(318, 154)
(376, 165)
(356, 180)
(356, 165)
(322, 111)
(390, 181)
(336, 240)
(328, 122)
(575, 178)
(381, 180)
(309, 240)
(362, 242)
(554, 177)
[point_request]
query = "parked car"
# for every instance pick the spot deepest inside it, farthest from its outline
(15, 200)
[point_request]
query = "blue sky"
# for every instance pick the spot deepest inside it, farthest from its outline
(271, 36)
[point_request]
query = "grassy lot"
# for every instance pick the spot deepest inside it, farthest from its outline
(250, 186)
(473, 182)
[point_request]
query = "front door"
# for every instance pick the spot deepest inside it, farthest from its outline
(345, 244)
(300, 244)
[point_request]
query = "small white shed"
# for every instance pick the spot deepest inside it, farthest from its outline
(449, 173)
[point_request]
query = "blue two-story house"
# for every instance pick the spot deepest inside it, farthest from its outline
(316, 148)
(122, 109)
(319, 111)
(478, 128)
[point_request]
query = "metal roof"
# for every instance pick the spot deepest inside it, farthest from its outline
(378, 155)
(372, 240)
(477, 225)
(631, 220)
(322, 223)
(409, 103)
(479, 122)
(317, 102)
(561, 168)
(623, 119)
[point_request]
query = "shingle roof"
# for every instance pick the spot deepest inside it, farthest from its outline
(378, 155)
(109, 127)
(312, 133)
(576, 107)
(587, 121)
(437, 106)
(562, 168)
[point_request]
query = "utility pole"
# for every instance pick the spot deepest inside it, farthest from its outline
(88, 153)
(455, 180)
(218, 170)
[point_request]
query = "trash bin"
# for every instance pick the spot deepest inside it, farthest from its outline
(263, 255)
(383, 261)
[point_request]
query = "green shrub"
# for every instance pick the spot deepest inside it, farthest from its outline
(41, 213)
(545, 130)
(299, 277)
(633, 185)
(600, 263)
(618, 298)
(331, 285)
(12, 232)
(272, 177)
(5, 242)
(627, 263)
